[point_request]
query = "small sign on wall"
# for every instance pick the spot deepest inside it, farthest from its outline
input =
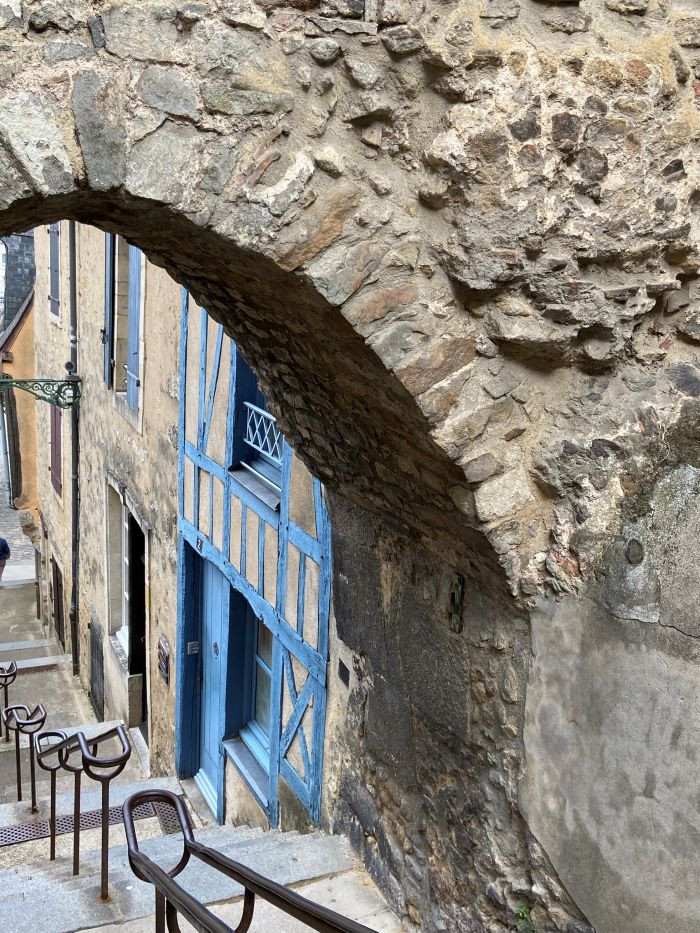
(164, 658)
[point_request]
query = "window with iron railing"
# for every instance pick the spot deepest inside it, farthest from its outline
(258, 442)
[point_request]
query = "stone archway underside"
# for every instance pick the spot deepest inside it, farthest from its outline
(433, 226)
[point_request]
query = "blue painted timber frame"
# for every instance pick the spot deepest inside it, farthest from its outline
(288, 640)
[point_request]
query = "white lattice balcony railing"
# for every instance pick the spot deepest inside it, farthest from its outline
(262, 433)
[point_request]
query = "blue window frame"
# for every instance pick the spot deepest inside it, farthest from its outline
(256, 732)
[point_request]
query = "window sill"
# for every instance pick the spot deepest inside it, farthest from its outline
(260, 489)
(130, 415)
(249, 768)
(119, 652)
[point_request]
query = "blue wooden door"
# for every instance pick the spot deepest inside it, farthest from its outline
(213, 630)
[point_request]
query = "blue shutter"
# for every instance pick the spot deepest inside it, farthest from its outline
(54, 272)
(108, 331)
(134, 328)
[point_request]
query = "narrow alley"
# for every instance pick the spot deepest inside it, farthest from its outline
(46, 896)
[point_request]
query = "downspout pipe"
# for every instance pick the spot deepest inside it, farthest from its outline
(72, 368)
(5, 454)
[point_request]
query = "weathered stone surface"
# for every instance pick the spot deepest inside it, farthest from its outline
(343, 8)
(172, 144)
(318, 226)
(502, 495)
(168, 90)
(351, 27)
(147, 32)
(30, 129)
(627, 6)
(394, 12)
(61, 14)
(13, 186)
(403, 40)
(330, 160)
(610, 671)
(280, 196)
(67, 51)
(242, 13)
(481, 468)
(97, 105)
(498, 12)
(324, 51)
(688, 31)
(10, 12)
(528, 192)
(371, 106)
(566, 19)
(361, 72)
(374, 304)
(437, 363)
(341, 271)
(221, 97)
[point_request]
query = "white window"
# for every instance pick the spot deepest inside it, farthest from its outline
(125, 583)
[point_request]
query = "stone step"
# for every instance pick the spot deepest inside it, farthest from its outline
(14, 814)
(47, 902)
(38, 873)
(351, 894)
(89, 730)
(38, 647)
(48, 663)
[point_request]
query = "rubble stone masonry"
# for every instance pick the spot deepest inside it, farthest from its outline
(461, 242)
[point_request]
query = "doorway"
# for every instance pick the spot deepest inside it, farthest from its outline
(136, 544)
(57, 603)
(214, 602)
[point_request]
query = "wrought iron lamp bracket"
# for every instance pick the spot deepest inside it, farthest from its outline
(63, 393)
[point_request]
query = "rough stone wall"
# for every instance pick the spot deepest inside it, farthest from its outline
(20, 273)
(463, 237)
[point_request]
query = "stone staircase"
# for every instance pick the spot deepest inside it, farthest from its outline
(44, 897)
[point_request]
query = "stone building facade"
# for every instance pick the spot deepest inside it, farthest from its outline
(460, 240)
(17, 361)
(127, 471)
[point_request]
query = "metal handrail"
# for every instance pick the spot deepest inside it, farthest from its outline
(178, 900)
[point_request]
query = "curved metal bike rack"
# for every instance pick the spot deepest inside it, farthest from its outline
(171, 899)
(8, 675)
(19, 719)
(43, 746)
(103, 769)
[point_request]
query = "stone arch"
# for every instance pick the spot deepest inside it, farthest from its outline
(480, 258)
(494, 320)
(107, 120)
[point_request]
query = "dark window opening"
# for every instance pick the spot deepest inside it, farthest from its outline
(56, 453)
(258, 444)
